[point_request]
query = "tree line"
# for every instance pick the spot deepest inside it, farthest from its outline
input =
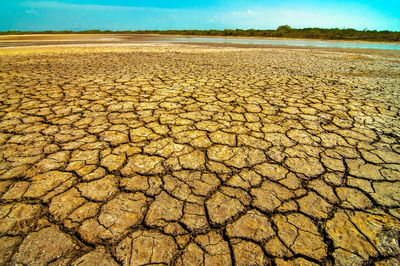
(283, 31)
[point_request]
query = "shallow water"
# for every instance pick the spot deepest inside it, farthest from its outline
(301, 43)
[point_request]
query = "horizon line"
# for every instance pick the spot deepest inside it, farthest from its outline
(194, 29)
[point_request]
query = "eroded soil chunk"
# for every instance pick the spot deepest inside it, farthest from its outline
(174, 154)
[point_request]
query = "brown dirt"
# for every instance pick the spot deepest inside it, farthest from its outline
(120, 153)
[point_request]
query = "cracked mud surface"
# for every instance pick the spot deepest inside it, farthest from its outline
(191, 155)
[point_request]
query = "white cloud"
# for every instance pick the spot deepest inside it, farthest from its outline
(248, 16)
(243, 14)
(31, 11)
(251, 12)
(63, 5)
(306, 17)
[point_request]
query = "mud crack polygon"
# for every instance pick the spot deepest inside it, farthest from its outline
(192, 156)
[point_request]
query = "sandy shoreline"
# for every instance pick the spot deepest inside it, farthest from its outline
(48, 39)
(277, 38)
(150, 36)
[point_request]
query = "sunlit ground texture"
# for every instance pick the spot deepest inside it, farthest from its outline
(188, 155)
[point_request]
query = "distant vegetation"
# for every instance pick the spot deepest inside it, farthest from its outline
(284, 31)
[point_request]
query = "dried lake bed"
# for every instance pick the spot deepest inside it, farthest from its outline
(127, 153)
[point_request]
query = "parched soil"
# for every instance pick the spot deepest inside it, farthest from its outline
(197, 155)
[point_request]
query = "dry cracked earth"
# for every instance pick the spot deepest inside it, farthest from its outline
(189, 155)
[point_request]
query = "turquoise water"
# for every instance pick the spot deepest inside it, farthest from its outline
(301, 43)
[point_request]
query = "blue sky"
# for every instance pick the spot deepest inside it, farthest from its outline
(197, 14)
